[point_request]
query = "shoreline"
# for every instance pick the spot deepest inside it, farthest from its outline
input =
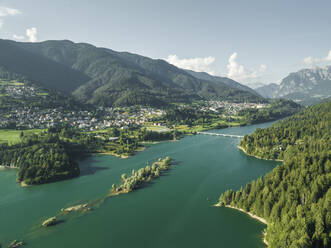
(139, 149)
(3, 167)
(258, 157)
(23, 184)
(260, 219)
(112, 154)
(253, 216)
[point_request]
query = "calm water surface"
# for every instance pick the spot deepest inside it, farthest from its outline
(174, 211)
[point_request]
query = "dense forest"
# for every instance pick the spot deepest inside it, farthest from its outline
(279, 108)
(295, 198)
(298, 130)
(40, 159)
(192, 115)
(53, 154)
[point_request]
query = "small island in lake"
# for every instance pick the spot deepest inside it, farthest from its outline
(50, 222)
(15, 244)
(141, 176)
(81, 207)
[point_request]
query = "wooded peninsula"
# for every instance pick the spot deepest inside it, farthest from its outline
(294, 198)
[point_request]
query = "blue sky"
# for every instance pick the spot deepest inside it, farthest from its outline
(253, 42)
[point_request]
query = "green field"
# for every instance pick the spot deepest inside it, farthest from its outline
(13, 136)
(43, 94)
(157, 128)
(13, 83)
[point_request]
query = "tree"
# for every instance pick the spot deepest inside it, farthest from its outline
(123, 177)
(295, 197)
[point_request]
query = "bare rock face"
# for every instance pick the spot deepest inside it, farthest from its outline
(308, 86)
(305, 81)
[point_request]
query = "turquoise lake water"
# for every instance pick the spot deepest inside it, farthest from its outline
(175, 210)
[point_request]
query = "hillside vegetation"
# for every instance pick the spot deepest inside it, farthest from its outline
(16, 61)
(105, 77)
(40, 159)
(295, 198)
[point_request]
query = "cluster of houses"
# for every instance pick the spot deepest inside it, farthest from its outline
(121, 117)
(18, 91)
(231, 108)
(35, 117)
(85, 120)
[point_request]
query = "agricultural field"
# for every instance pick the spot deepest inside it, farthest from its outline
(12, 82)
(158, 129)
(13, 136)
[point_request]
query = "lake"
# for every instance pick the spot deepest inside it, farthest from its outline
(175, 210)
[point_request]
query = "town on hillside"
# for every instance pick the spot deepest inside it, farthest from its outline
(36, 117)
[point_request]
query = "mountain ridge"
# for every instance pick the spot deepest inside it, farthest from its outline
(228, 81)
(17, 60)
(111, 78)
(306, 86)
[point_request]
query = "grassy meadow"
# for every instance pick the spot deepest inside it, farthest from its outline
(13, 136)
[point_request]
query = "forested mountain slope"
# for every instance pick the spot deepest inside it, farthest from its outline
(295, 198)
(37, 68)
(224, 80)
(121, 78)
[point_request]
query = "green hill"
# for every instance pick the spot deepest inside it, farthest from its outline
(222, 80)
(121, 78)
(39, 69)
(295, 198)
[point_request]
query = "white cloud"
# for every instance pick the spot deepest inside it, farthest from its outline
(32, 34)
(235, 71)
(4, 12)
(194, 64)
(240, 73)
(18, 37)
(328, 58)
(263, 68)
(310, 61)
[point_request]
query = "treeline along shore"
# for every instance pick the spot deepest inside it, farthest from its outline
(294, 199)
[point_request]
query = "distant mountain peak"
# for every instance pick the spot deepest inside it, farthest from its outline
(305, 86)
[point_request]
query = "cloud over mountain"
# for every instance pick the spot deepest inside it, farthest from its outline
(239, 73)
(194, 64)
(32, 34)
(310, 61)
